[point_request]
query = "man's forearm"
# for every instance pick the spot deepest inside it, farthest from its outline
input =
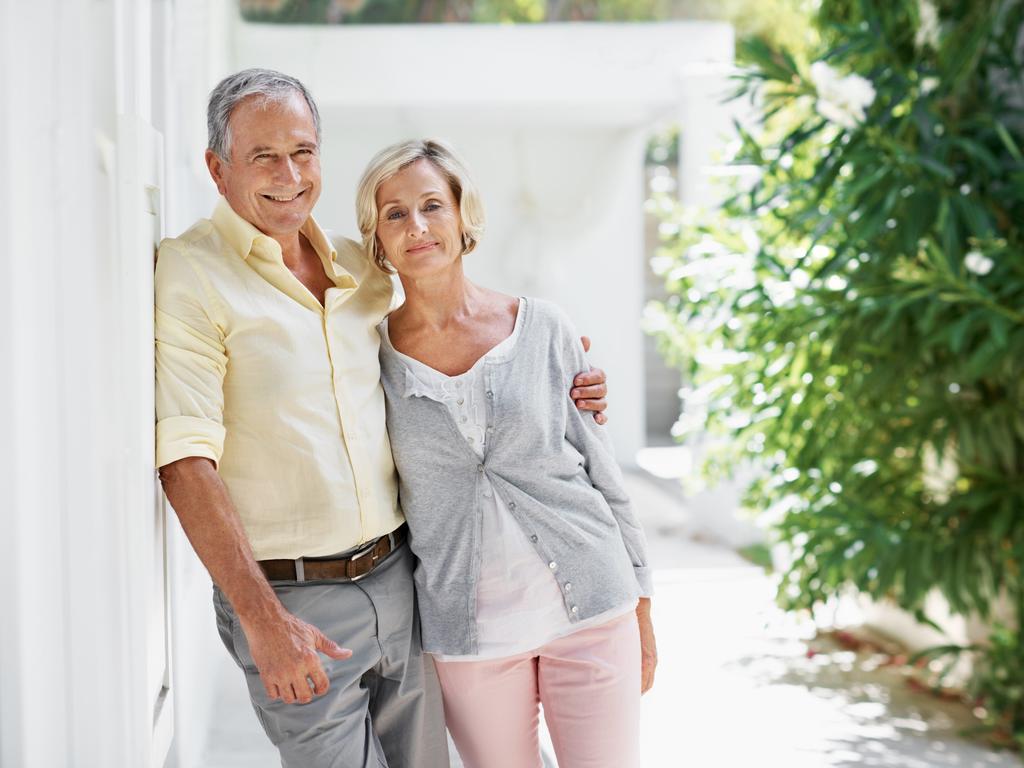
(215, 531)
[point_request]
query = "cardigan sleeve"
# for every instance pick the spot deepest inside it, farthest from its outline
(592, 441)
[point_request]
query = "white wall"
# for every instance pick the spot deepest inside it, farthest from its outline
(76, 476)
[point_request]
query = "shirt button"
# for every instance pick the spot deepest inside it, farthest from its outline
(568, 586)
(465, 419)
(480, 468)
(552, 565)
(511, 505)
(489, 393)
(470, 439)
(574, 609)
(487, 494)
(461, 400)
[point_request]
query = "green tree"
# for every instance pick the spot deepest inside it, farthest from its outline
(779, 20)
(853, 317)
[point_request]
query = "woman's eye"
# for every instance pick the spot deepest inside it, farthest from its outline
(394, 215)
(431, 206)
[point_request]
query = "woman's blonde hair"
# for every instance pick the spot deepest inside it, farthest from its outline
(393, 159)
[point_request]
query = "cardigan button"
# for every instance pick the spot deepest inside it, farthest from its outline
(552, 565)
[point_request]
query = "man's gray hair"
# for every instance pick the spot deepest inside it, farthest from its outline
(269, 85)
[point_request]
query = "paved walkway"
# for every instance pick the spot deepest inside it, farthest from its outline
(736, 687)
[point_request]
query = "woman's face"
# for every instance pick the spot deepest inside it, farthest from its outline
(418, 222)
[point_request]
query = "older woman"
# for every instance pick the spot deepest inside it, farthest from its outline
(532, 579)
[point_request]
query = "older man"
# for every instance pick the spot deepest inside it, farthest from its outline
(272, 446)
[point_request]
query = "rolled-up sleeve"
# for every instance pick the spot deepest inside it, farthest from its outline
(190, 364)
(592, 441)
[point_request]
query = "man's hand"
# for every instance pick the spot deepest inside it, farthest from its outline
(285, 653)
(648, 647)
(590, 389)
(283, 648)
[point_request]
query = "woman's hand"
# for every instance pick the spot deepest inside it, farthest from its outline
(648, 647)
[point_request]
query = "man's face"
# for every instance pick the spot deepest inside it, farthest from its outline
(272, 177)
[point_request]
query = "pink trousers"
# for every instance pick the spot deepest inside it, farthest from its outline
(588, 682)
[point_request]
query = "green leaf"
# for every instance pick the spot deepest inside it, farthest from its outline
(1008, 142)
(999, 326)
(944, 172)
(978, 152)
(961, 328)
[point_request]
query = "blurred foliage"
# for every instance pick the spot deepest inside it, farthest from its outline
(782, 21)
(663, 146)
(852, 318)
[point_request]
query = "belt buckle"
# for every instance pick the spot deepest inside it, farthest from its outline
(367, 550)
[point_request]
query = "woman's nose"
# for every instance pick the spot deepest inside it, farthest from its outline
(417, 222)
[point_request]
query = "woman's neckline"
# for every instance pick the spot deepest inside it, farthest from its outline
(504, 346)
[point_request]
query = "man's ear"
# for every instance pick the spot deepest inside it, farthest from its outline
(216, 167)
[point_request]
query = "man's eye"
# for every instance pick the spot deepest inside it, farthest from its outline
(261, 158)
(304, 152)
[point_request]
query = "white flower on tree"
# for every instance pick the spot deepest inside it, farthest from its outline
(842, 100)
(928, 27)
(978, 263)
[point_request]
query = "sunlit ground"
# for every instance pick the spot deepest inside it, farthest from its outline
(736, 685)
(739, 688)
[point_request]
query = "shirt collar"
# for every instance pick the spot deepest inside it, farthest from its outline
(243, 238)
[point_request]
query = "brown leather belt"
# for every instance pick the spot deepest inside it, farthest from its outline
(350, 568)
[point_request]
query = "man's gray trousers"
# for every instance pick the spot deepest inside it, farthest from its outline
(383, 707)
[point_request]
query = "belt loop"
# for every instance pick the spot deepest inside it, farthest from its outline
(300, 570)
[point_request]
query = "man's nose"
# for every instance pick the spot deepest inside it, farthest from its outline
(287, 171)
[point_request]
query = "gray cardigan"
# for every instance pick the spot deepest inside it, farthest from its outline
(551, 464)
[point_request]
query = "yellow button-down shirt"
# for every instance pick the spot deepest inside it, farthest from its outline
(283, 393)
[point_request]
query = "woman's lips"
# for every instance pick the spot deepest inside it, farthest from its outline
(421, 248)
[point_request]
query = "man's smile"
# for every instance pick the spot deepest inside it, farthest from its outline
(284, 198)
